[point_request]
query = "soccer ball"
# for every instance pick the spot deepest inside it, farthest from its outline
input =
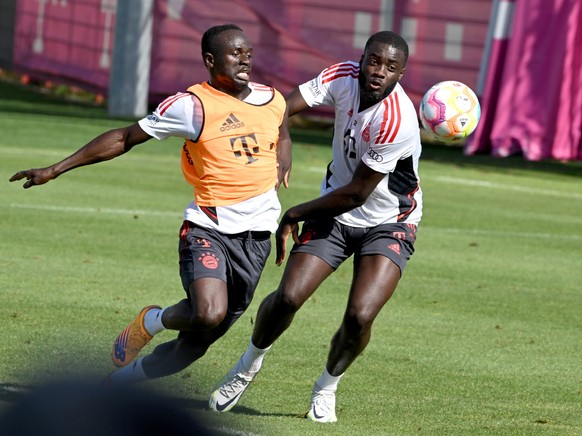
(449, 111)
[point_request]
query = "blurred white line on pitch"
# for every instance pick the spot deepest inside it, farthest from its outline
(486, 184)
(96, 210)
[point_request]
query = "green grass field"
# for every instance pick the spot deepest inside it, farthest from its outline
(483, 336)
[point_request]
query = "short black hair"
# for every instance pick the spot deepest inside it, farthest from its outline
(208, 43)
(390, 38)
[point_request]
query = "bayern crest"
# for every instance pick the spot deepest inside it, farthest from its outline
(366, 134)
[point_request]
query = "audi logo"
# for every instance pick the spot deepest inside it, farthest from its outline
(377, 157)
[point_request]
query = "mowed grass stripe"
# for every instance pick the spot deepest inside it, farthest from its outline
(512, 187)
(424, 228)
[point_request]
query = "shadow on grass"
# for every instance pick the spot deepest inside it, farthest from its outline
(11, 392)
(453, 155)
(202, 406)
(312, 135)
(71, 407)
(17, 98)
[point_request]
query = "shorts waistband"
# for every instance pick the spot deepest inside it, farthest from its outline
(254, 234)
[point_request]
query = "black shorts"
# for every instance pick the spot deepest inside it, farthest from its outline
(334, 242)
(237, 259)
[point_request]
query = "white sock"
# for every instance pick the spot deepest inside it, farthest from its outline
(152, 321)
(328, 382)
(129, 374)
(252, 359)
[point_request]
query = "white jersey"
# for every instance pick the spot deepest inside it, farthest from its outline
(385, 137)
(182, 115)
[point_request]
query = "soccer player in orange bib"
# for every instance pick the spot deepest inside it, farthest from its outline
(236, 154)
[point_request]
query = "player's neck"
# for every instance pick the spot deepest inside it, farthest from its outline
(239, 92)
(369, 99)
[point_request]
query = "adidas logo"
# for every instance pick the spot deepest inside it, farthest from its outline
(395, 248)
(231, 123)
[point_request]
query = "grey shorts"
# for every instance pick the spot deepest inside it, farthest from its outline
(236, 259)
(334, 242)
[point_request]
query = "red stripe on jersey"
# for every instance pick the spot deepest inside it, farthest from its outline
(339, 67)
(410, 196)
(260, 87)
(339, 70)
(339, 75)
(391, 120)
(210, 212)
(398, 117)
(164, 106)
(385, 118)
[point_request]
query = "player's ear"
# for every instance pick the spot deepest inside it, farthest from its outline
(401, 73)
(208, 60)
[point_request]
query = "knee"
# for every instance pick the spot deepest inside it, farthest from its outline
(358, 321)
(206, 318)
(287, 300)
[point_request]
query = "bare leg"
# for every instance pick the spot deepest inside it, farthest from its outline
(303, 274)
(174, 356)
(201, 322)
(204, 310)
(375, 280)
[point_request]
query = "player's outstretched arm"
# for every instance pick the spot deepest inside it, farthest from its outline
(104, 147)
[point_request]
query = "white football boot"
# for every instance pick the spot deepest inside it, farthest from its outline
(322, 407)
(228, 392)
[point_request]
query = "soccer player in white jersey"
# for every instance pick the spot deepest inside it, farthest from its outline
(370, 206)
(236, 153)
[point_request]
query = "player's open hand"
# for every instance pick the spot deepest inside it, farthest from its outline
(282, 177)
(34, 176)
(283, 231)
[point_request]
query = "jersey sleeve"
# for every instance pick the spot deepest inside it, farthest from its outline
(180, 115)
(320, 90)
